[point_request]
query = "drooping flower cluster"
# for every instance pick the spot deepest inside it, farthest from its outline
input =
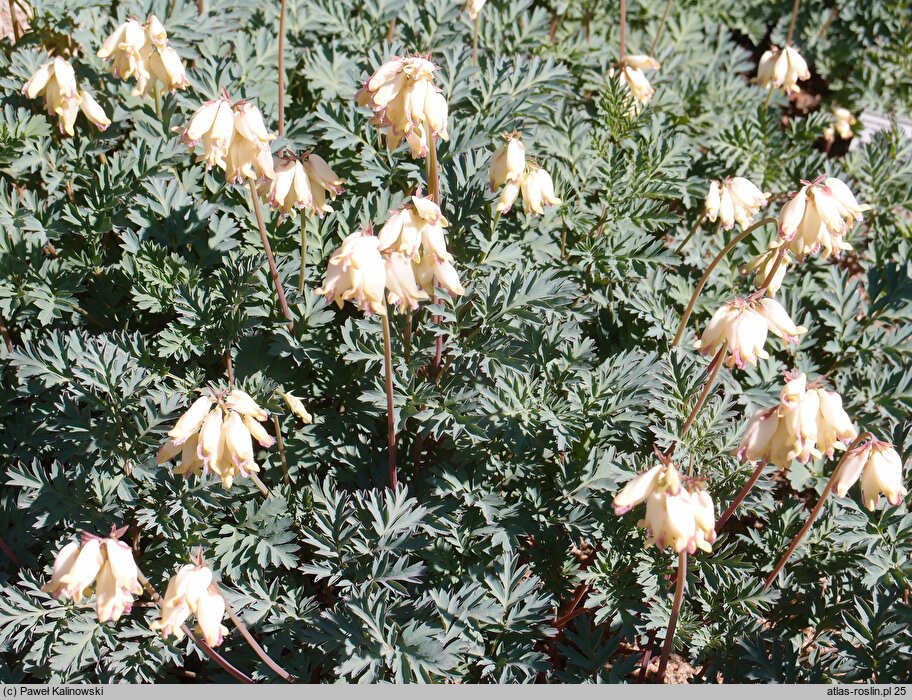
(414, 245)
(56, 80)
(142, 52)
(302, 182)
(406, 103)
(880, 468)
(632, 75)
(745, 324)
(806, 424)
(817, 218)
(804, 230)
(679, 517)
(218, 440)
(108, 563)
(782, 68)
(510, 169)
(190, 591)
(734, 199)
(407, 259)
(843, 121)
(234, 137)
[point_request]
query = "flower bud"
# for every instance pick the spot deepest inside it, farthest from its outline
(93, 111)
(258, 432)
(238, 442)
(209, 448)
(297, 407)
(400, 281)
(834, 427)
(537, 190)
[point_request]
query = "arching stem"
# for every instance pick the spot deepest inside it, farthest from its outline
(792, 19)
(816, 512)
(655, 41)
(390, 404)
(712, 266)
(475, 27)
(273, 270)
(205, 648)
(693, 232)
(675, 611)
(245, 633)
(742, 494)
(716, 364)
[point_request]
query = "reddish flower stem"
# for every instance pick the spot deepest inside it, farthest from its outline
(273, 270)
(816, 512)
(712, 266)
(245, 633)
(742, 494)
(390, 404)
(206, 649)
(675, 611)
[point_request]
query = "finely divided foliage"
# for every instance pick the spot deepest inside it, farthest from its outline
(135, 281)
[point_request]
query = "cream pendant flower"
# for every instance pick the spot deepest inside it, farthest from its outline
(234, 137)
(142, 52)
(782, 68)
(56, 81)
(745, 323)
(302, 182)
(679, 517)
(843, 121)
(218, 440)
(108, 563)
(357, 273)
(881, 470)
(817, 218)
(806, 424)
(187, 590)
(508, 162)
(406, 103)
(510, 169)
(733, 200)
